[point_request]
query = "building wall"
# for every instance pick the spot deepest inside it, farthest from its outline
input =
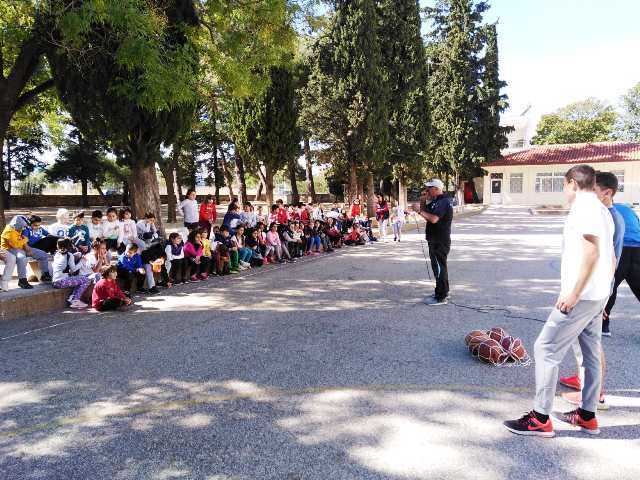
(529, 196)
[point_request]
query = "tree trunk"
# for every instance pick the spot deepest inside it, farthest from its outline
(217, 181)
(124, 199)
(240, 178)
(84, 200)
(226, 173)
(259, 190)
(4, 192)
(295, 195)
(145, 192)
(170, 179)
(460, 191)
(371, 205)
(99, 189)
(402, 191)
(2, 202)
(268, 186)
(353, 182)
(311, 188)
(13, 95)
(360, 190)
(9, 176)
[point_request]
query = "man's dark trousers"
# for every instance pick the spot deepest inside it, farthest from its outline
(438, 253)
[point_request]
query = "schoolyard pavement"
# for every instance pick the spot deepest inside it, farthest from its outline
(327, 369)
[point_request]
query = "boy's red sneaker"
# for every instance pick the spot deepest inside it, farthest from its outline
(573, 418)
(571, 382)
(529, 425)
(194, 278)
(204, 276)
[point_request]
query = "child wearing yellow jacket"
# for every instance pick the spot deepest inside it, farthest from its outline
(13, 242)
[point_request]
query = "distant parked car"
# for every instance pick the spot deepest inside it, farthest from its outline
(112, 191)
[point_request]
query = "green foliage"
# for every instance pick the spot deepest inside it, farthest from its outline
(491, 137)
(628, 125)
(240, 40)
(454, 55)
(344, 105)
(81, 161)
(405, 73)
(264, 130)
(587, 121)
(116, 100)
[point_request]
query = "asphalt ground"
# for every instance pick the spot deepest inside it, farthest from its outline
(331, 368)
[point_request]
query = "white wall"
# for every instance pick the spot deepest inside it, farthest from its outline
(529, 196)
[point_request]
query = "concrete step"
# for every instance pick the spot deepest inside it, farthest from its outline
(42, 299)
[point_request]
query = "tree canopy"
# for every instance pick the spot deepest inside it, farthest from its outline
(589, 120)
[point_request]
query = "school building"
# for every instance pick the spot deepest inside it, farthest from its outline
(534, 176)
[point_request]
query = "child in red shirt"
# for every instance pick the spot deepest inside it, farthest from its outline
(107, 294)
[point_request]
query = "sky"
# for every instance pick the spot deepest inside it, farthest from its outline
(554, 52)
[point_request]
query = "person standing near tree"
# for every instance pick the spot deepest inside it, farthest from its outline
(438, 214)
(189, 210)
(587, 268)
(382, 216)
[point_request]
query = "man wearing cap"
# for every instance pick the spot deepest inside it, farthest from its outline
(438, 214)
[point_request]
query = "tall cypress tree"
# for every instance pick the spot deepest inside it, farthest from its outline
(345, 101)
(405, 72)
(491, 136)
(265, 131)
(453, 87)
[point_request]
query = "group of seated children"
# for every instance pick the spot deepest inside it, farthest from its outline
(120, 254)
(81, 252)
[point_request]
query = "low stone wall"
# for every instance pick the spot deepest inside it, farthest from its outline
(75, 201)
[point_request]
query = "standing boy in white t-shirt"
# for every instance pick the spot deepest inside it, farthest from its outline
(588, 263)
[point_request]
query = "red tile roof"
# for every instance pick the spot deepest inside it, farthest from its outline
(574, 153)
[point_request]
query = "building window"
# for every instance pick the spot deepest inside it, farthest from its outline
(515, 182)
(620, 176)
(549, 182)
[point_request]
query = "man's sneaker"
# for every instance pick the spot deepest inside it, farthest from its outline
(531, 426)
(433, 301)
(605, 328)
(573, 418)
(571, 382)
(46, 277)
(153, 290)
(575, 398)
(23, 283)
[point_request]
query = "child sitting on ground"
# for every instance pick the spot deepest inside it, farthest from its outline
(95, 226)
(39, 237)
(146, 230)
(92, 263)
(128, 231)
(193, 252)
(111, 229)
(130, 269)
(176, 267)
(79, 234)
(207, 250)
(64, 268)
(244, 253)
(224, 237)
(355, 236)
(60, 229)
(274, 244)
(107, 294)
(13, 242)
(253, 243)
